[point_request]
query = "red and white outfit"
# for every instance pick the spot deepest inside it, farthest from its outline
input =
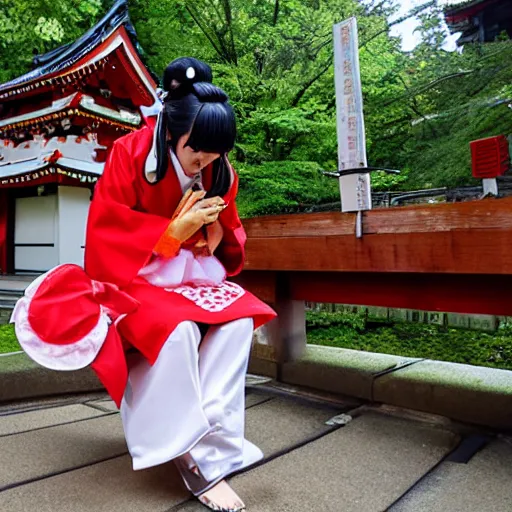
(133, 315)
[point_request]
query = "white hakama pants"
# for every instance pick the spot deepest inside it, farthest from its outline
(189, 406)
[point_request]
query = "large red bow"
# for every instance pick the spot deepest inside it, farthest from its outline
(66, 308)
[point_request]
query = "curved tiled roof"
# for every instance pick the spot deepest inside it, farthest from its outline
(66, 55)
(457, 4)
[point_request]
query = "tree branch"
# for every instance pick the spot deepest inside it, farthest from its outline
(415, 107)
(203, 29)
(309, 83)
(213, 3)
(410, 14)
(427, 86)
(229, 25)
(276, 13)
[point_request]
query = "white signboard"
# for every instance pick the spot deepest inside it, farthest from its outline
(355, 188)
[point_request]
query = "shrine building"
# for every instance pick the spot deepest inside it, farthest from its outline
(478, 20)
(57, 123)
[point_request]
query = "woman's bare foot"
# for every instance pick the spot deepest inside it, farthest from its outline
(222, 498)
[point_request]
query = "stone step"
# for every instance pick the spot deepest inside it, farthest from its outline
(22, 379)
(8, 299)
(471, 394)
(15, 283)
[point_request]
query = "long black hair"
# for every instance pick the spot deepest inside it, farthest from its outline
(194, 105)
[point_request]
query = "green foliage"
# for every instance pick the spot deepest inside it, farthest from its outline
(468, 100)
(280, 187)
(345, 319)
(275, 60)
(28, 28)
(347, 330)
(8, 342)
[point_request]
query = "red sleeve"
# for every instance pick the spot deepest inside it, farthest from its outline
(231, 251)
(119, 240)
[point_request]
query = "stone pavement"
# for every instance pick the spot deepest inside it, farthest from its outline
(67, 454)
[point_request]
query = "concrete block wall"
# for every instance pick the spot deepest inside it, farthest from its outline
(486, 323)
(5, 315)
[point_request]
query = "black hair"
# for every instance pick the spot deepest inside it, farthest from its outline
(175, 73)
(194, 105)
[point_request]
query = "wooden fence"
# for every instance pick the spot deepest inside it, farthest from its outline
(447, 257)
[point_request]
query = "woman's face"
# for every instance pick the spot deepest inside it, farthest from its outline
(193, 162)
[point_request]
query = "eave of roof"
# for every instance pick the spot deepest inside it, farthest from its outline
(67, 106)
(68, 60)
(464, 8)
(25, 172)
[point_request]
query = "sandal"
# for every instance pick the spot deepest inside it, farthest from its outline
(215, 499)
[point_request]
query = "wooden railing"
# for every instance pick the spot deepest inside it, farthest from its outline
(447, 257)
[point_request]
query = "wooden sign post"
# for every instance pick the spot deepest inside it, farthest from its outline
(355, 188)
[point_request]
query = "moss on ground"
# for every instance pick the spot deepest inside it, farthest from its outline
(8, 342)
(353, 331)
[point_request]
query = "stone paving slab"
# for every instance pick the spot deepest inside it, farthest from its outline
(276, 425)
(25, 421)
(256, 398)
(49, 402)
(481, 485)
(281, 423)
(42, 452)
(108, 405)
(251, 399)
(363, 467)
(111, 486)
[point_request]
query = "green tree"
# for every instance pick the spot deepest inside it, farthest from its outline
(29, 28)
(275, 60)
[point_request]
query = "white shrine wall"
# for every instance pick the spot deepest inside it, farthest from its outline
(73, 208)
(36, 233)
(50, 230)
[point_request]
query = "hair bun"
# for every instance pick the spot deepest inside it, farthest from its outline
(209, 93)
(182, 73)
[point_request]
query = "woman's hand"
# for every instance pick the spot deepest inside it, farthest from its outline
(194, 214)
(209, 209)
(215, 233)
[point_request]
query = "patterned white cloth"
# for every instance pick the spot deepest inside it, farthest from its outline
(199, 279)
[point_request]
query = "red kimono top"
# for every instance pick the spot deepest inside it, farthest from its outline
(128, 216)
